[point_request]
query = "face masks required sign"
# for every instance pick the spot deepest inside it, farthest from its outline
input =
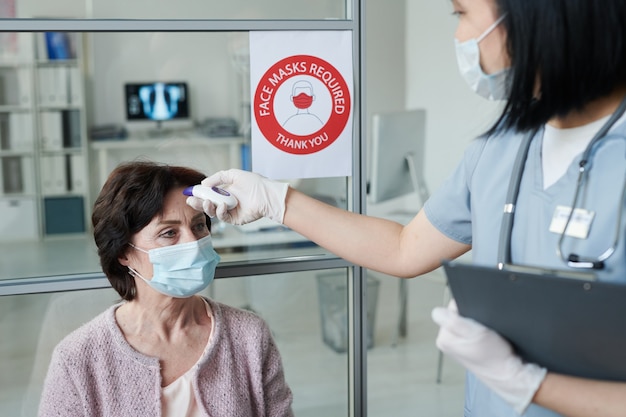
(302, 103)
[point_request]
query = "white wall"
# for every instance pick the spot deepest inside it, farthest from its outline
(182, 9)
(56, 8)
(385, 59)
(455, 114)
(218, 9)
(200, 59)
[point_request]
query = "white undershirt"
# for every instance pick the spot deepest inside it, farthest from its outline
(561, 146)
(178, 399)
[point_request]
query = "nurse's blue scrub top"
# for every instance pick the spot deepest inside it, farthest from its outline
(468, 208)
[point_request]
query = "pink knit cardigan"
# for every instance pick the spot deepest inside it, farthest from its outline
(95, 372)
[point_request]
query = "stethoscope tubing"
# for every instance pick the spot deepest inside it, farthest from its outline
(506, 229)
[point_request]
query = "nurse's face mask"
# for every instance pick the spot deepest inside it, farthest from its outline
(489, 86)
(181, 270)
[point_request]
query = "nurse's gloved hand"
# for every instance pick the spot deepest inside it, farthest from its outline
(257, 197)
(488, 356)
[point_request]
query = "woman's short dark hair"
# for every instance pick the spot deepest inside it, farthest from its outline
(573, 51)
(131, 197)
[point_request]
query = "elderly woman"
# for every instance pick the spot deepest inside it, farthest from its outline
(163, 350)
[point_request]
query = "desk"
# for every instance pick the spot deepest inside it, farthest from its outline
(173, 140)
(230, 239)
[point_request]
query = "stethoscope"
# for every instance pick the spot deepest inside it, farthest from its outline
(573, 260)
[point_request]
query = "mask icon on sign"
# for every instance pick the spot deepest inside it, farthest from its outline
(302, 101)
(302, 94)
(303, 122)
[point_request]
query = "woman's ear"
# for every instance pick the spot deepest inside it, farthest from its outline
(123, 259)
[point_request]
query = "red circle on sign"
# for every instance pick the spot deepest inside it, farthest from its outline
(301, 65)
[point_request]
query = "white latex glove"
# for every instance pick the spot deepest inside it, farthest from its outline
(488, 356)
(257, 196)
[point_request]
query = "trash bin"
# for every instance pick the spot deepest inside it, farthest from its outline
(333, 298)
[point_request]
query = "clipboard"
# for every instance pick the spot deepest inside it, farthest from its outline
(565, 322)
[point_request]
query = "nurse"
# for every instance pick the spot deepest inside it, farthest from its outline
(560, 66)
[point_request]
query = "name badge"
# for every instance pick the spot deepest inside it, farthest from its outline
(578, 225)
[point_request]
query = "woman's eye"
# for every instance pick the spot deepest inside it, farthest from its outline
(168, 233)
(202, 228)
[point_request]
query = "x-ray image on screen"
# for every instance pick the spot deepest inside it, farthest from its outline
(157, 101)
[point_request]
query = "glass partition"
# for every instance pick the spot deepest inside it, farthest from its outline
(183, 9)
(67, 119)
(65, 74)
(309, 326)
(30, 326)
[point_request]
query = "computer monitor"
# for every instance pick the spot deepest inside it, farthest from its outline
(397, 155)
(157, 101)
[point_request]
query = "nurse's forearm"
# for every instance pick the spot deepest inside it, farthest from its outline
(578, 397)
(371, 242)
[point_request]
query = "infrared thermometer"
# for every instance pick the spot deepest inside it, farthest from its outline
(214, 194)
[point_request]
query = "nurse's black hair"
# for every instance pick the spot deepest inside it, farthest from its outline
(564, 54)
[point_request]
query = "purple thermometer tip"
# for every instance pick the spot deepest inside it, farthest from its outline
(188, 191)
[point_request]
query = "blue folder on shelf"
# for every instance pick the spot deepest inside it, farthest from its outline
(59, 46)
(568, 325)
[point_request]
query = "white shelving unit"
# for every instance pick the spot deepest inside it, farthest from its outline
(18, 188)
(43, 141)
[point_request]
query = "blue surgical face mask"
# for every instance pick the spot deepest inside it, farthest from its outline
(181, 270)
(490, 86)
